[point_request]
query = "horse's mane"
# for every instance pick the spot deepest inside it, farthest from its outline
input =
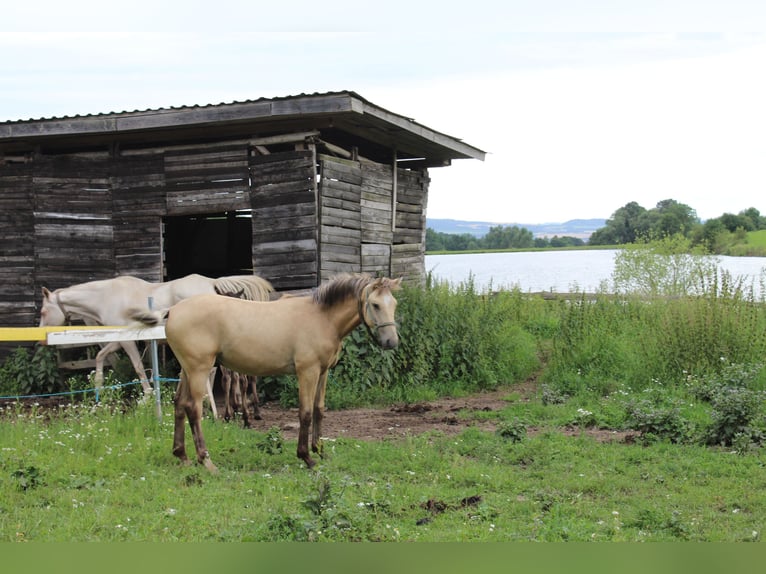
(250, 287)
(340, 288)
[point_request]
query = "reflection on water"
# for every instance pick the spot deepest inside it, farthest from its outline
(558, 271)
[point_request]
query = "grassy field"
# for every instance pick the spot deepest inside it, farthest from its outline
(90, 474)
(681, 376)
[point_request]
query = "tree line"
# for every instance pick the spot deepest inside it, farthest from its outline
(498, 237)
(632, 223)
(629, 224)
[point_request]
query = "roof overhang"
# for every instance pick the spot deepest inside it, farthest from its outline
(342, 115)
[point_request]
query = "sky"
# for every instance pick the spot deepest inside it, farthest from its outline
(582, 106)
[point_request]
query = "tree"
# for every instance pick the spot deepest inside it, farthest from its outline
(755, 217)
(622, 227)
(733, 222)
(674, 217)
(632, 223)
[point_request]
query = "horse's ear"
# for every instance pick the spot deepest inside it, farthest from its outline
(46, 293)
(396, 283)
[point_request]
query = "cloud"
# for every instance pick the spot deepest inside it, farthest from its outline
(581, 142)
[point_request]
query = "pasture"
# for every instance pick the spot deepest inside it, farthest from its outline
(93, 473)
(614, 418)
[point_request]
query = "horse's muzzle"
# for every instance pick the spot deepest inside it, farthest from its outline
(388, 338)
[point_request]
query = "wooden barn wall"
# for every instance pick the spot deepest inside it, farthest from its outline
(17, 287)
(356, 231)
(377, 213)
(340, 229)
(73, 232)
(284, 210)
(409, 245)
(207, 178)
(138, 200)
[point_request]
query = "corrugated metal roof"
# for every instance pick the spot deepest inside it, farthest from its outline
(182, 107)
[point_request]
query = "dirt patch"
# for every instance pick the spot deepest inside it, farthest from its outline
(449, 416)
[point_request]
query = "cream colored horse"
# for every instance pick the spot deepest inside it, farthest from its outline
(115, 301)
(292, 335)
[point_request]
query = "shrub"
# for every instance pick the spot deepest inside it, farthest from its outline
(658, 422)
(735, 412)
(513, 431)
(30, 373)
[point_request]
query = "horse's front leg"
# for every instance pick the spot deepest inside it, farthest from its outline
(308, 379)
(101, 356)
(135, 358)
(316, 427)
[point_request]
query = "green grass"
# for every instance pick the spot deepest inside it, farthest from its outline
(93, 475)
(757, 238)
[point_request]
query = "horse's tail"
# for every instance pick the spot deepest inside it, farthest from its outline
(147, 318)
(250, 287)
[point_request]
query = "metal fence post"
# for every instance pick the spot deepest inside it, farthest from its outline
(156, 370)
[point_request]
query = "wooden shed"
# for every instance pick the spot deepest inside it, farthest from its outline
(294, 189)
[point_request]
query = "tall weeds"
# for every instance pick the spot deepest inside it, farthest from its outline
(672, 318)
(453, 340)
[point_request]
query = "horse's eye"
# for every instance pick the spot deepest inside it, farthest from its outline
(376, 306)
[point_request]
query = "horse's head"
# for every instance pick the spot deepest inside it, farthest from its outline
(51, 313)
(378, 310)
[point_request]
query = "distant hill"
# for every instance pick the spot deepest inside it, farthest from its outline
(582, 228)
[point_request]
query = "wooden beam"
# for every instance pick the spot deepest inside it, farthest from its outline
(39, 333)
(283, 138)
(105, 335)
(80, 334)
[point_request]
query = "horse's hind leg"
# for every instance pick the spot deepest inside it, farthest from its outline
(196, 390)
(318, 414)
(226, 384)
(249, 383)
(253, 384)
(180, 400)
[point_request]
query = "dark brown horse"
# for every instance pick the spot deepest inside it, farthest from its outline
(292, 335)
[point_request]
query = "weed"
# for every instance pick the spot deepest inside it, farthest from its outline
(735, 412)
(658, 422)
(513, 431)
(27, 478)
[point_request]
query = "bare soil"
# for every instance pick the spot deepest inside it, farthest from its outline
(448, 416)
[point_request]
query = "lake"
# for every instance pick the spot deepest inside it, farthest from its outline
(558, 271)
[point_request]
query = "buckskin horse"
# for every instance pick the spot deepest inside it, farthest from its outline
(114, 301)
(299, 335)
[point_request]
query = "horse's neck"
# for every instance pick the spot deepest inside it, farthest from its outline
(345, 316)
(84, 304)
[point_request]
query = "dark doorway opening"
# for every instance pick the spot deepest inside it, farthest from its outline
(212, 244)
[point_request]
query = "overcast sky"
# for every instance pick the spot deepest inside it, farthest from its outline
(582, 106)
